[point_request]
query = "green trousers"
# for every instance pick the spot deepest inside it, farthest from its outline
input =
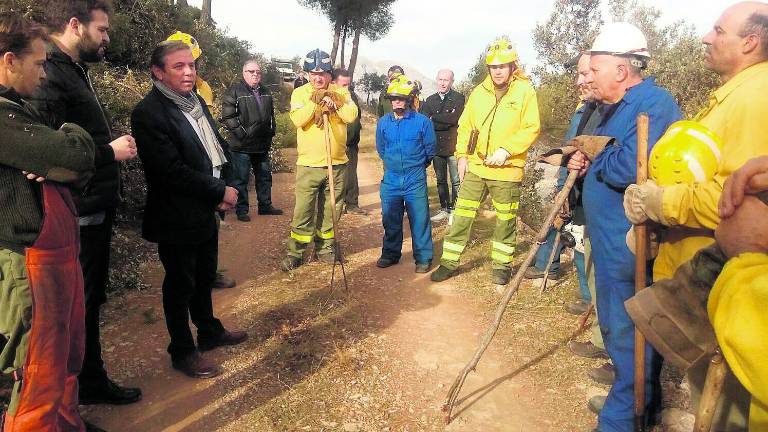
(15, 316)
(597, 337)
(506, 200)
(312, 213)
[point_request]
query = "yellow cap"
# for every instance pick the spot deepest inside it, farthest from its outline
(687, 153)
(189, 40)
(401, 86)
(500, 52)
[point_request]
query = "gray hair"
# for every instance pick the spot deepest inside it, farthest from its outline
(253, 60)
(757, 24)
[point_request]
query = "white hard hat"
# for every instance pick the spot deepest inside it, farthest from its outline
(621, 38)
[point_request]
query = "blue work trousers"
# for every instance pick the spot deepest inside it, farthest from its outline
(401, 192)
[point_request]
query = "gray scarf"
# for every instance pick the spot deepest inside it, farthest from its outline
(192, 106)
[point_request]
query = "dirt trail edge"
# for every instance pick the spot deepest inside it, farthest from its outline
(381, 360)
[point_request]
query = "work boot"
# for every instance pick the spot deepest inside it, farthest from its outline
(442, 273)
(440, 216)
(243, 217)
(223, 281)
(605, 374)
(270, 211)
(423, 267)
(105, 391)
(587, 350)
(385, 262)
(534, 273)
(353, 209)
(577, 308)
(596, 403)
(290, 263)
(500, 276)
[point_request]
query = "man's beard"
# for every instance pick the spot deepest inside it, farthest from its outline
(399, 110)
(89, 50)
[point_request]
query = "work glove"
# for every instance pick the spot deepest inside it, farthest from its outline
(498, 158)
(318, 96)
(317, 115)
(652, 249)
(644, 202)
(590, 145)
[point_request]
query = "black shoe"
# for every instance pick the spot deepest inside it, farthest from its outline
(353, 209)
(442, 273)
(290, 263)
(605, 374)
(577, 308)
(596, 403)
(194, 365)
(90, 427)
(223, 281)
(243, 217)
(105, 391)
(270, 211)
(587, 350)
(385, 262)
(500, 276)
(226, 338)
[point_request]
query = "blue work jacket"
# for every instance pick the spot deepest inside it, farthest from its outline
(406, 143)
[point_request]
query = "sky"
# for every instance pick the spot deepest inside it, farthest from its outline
(427, 34)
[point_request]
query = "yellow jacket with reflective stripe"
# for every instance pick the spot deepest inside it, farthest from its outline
(514, 127)
(738, 113)
(205, 91)
(737, 309)
(310, 139)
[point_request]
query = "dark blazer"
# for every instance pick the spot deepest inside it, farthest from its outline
(250, 125)
(445, 116)
(182, 193)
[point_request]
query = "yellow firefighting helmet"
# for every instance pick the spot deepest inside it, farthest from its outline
(401, 86)
(189, 40)
(500, 52)
(687, 153)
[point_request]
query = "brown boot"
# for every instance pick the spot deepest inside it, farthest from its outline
(226, 338)
(587, 350)
(605, 374)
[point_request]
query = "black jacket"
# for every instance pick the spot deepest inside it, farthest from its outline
(182, 193)
(445, 114)
(250, 126)
(67, 96)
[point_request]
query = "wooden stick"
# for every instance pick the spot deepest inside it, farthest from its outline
(337, 258)
(555, 249)
(641, 246)
(455, 389)
(713, 388)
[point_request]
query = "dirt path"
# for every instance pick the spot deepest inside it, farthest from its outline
(381, 360)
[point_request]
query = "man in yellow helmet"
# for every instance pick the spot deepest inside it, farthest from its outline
(737, 50)
(499, 123)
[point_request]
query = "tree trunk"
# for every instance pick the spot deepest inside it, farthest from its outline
(355, 47)
(343, 45)
(336, 36)
(182, 3)
(205, 15)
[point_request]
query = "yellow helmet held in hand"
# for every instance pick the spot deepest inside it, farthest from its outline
(401, 86)
(500, 52)
(189, 40)
(687, 153)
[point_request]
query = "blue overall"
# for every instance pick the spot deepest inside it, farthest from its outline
(407, 147)
(611, 172)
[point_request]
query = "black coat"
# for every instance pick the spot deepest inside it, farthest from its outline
(445, 114)
(250, 126)
(67, 96)
(182, 193)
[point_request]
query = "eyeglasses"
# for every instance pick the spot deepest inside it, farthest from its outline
(253, 72)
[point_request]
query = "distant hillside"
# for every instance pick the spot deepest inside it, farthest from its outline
(380, 67)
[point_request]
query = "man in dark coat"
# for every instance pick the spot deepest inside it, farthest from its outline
(444, 109)
(67, 96)
(248, 114)
(343, 78)
(183, 156)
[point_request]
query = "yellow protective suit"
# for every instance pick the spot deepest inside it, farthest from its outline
(311, 138)
(737, 112)
(737, 309)
(514, 126)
